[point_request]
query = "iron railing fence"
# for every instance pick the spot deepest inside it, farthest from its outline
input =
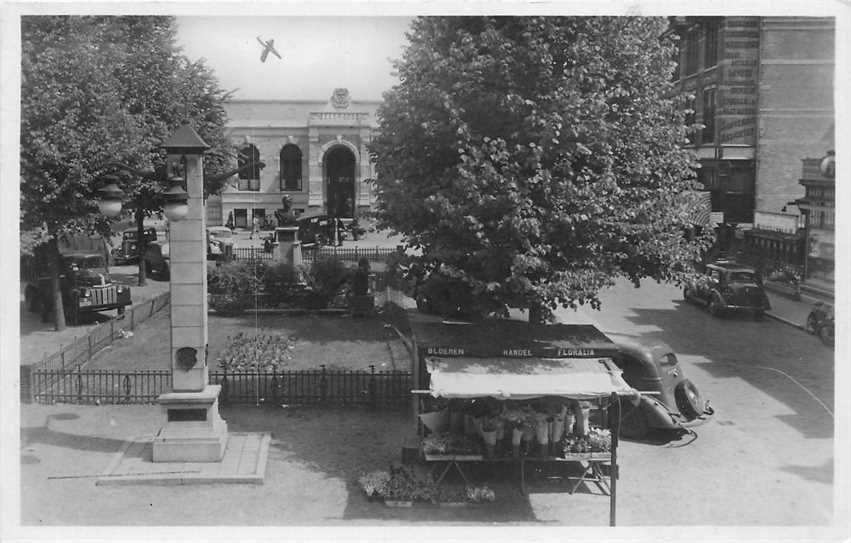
(322, 386)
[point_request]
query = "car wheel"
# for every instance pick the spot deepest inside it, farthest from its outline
(633, 424)
(715, 306)
(686, 294)
(688, 399)
(826, 334)
(120, 310)
(164, 272)
(810, 326)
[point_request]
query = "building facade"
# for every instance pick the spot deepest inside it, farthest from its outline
(313, 152)
(762, 88)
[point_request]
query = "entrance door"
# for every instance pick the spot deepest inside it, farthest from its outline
(240, 218)
(340, 183)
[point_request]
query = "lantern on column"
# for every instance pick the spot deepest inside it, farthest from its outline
(175, 200)
(110, 197)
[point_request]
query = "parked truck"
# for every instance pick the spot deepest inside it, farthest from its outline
(84, 281)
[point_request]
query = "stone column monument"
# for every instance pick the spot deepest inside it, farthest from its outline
(193, 430)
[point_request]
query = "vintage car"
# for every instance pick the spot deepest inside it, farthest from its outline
(85, 286)
(729, 286)
(128, 251)
(157, 260)
(217, 238)
(669, 400)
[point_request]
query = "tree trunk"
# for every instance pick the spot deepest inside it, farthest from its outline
(141, 245)
(55, 289)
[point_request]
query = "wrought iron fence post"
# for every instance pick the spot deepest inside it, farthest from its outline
(126, 384)
(274, 385)
(372, 385)
(26, 384)
(79, 385)
(323, 384)
(223, 396)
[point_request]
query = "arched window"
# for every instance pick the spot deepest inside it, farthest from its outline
(249, 179)
(290, 167)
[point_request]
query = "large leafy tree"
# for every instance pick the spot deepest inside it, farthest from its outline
(100, 90)
(532, 160)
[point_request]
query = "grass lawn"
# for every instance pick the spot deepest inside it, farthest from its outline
(336, 341)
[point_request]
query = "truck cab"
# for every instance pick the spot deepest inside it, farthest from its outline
(85, 286)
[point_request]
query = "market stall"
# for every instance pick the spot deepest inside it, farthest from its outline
(514, 393)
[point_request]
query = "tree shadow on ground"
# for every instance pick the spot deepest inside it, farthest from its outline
(45, 435)
(345, 443)
(759, 352)
(820, 474)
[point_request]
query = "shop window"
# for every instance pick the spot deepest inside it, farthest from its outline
(249, 179)
(290, 167)
(691, 52)
(690, 117)
(708, 135)
(710, 55)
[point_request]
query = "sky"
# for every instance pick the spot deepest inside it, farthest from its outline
(319, 54)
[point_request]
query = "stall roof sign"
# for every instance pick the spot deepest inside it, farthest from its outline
(511, 339)
(510, 378)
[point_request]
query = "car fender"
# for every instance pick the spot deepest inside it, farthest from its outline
(658, 416)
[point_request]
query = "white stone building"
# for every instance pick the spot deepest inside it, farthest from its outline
(315, 152)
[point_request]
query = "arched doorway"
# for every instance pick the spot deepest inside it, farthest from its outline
(340, 182)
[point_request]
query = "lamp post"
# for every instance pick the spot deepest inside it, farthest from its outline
(193, 430)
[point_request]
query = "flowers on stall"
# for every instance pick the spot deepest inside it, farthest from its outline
(597, 440)
(451, 443)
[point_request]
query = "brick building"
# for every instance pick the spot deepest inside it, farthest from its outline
(314, 152)
(763, 89)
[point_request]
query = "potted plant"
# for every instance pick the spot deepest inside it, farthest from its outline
(480, 494)
(374, 484)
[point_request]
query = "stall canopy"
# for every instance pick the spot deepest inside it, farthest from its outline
(523, 378)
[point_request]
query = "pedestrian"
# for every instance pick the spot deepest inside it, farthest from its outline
(255, 227)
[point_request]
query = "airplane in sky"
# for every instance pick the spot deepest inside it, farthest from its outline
(268, 47)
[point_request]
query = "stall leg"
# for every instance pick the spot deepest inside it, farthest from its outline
(614, 427)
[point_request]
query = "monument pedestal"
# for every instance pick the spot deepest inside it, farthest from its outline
(194, 431)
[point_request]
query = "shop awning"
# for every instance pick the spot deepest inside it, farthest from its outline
(523, 378)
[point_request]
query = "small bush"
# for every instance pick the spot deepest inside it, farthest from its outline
(232, 286)
(327, 276)
(281, 283)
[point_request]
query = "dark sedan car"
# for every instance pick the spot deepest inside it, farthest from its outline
(157, 260)
(729, 286)
(669, 400)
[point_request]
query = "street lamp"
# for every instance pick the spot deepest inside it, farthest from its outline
(110, 197)
(193, 430)
(175, 200)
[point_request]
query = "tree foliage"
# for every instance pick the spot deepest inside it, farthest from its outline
(535, 159)
(99, 90)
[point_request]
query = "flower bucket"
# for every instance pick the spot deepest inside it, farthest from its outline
(581, 427)
(542, 433)
(516, 436)
(557, 429)
(569, 422)
(477, 424)
(500, 430)
(469, 426)
(489, 436)
(456, 422)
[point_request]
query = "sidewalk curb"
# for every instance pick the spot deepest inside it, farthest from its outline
(783, 320)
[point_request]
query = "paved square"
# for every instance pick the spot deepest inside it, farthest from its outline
(244, 462)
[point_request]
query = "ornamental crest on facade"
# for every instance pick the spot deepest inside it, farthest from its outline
(340, 98)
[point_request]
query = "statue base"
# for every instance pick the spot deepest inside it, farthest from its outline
(194, 431)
